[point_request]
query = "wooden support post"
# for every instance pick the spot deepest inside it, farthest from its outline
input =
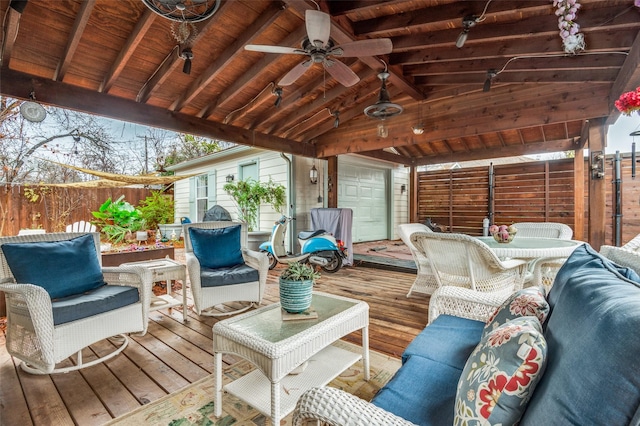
(413, 195)
(597, 187)
(332, 172)
(578, 195)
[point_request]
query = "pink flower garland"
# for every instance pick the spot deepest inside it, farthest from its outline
(629, 102)
(572, 39)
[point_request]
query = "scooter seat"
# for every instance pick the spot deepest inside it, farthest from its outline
(305, 235)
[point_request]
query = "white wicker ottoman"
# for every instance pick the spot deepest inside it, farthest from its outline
(278, 347)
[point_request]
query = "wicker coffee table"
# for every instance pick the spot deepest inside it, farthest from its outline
(279, 347)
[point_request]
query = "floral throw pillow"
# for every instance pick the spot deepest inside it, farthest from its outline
(501, 374)
(525, 302)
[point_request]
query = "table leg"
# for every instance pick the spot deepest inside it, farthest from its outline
(365, 352)
(218, 370)
(275, 403)
(185, 315)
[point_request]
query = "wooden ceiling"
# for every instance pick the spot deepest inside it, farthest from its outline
(118, 59)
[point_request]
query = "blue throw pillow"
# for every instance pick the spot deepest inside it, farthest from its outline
(217, 248)
(592, 332)
(63, 268)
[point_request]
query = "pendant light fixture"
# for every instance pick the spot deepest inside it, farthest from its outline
(418, 129)
(383, 108)
(184, 10)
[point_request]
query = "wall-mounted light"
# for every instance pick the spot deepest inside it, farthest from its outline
(403, 188)
(597, 165)
(229, 178)
(313, 175)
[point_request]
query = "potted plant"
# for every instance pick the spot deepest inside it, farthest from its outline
(157, 210)
(296, 286)
(118, 220)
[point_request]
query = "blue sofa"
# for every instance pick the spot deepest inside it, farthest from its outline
(592, 374)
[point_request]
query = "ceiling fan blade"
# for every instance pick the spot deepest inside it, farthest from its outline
(318, 26)
(341, 72)
(295, 73)
(272, 49)
(354, 49)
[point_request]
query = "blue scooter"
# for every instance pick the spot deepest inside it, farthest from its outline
(317, 248)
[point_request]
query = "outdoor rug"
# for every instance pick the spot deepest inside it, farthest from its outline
(194, 404)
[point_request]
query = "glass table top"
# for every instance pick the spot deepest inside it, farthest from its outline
(268, 324)
(530, 243)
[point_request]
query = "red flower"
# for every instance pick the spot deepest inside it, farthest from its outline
(526, 305)
(629, 102)
(489, 394)
(522, 376)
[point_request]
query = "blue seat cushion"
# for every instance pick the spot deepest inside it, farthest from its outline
(422, 391)
(448, 340)
(63, 268)
(102, 299)
(217, 248)
(237, 274)
(593, 345)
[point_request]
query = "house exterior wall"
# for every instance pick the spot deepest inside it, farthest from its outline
(303, 195)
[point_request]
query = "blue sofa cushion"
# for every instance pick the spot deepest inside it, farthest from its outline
(524, 302)
(501, 374)
(423, 391)
(217, 248)
(237, 274)
(593, 342)
(63, 268)
(102, 299)
(436, 342)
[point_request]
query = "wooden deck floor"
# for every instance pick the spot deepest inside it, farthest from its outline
(172, 355)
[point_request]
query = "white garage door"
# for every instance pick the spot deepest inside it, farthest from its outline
(364, 190)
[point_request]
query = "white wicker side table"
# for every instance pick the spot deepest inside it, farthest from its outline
(166, 270)
(278, 347)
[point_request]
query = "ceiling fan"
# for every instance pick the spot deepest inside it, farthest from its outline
(321, 49)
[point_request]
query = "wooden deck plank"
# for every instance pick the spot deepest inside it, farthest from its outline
(173, 354)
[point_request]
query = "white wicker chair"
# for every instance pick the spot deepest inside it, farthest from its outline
(633, 244)
(32, 336)
(622, 256)
(81, 226)
(425, 281)
(543, 272)
(472, 280)
(206, 298)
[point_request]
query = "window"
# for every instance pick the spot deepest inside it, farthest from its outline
(202, 195)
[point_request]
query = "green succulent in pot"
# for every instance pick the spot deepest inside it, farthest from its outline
(296, 287)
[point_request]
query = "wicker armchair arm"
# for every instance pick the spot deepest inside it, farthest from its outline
(133, 276)
(465, 303)
(335, 407)
(260, 261)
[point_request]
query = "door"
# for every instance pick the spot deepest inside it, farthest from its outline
(364, 190)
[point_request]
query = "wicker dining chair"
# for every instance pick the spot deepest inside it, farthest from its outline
(425, 281)
(238, 278)
(60, 300)
(542, 272)
(472, 280)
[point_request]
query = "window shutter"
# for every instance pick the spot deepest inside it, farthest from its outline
(193, 215)
(212, 190)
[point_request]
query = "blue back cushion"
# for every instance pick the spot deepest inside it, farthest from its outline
(593, 346)
(63, 268)
(217, 248)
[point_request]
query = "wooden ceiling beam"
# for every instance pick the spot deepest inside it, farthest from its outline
(387, 156)
(135, 38)
(339, 8)
(74, 39)
(628, 79)
(543, 76)
(219, 65)
(247, 78)
(9, 35)
(63, 95)
(497, 116)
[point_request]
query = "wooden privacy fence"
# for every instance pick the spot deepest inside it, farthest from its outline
(52, 208)
(541, 191)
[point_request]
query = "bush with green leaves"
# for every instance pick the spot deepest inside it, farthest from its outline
(117, 218)
(157, 208)
(250, 194)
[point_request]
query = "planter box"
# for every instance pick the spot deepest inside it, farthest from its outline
(116, 259)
